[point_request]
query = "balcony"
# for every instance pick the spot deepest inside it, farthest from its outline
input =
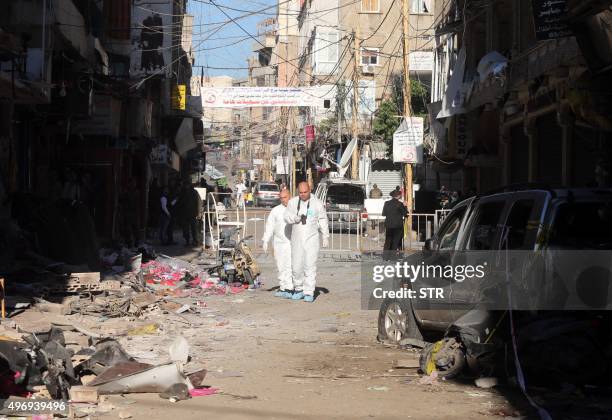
(267, 40)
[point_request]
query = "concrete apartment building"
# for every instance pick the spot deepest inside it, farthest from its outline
(332, 34)
(261, 122)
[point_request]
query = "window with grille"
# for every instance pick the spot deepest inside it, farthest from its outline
(370, 57)
(421, 6)
(370, 5)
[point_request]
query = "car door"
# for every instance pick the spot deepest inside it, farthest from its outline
(483, 233)
(438, 311)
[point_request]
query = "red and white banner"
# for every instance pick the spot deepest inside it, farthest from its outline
(247, 97)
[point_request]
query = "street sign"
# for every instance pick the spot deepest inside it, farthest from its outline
(282, 165)
(408, 141)
(309, 131)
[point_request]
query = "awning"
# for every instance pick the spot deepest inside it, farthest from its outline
(452, 102)
(184, 139)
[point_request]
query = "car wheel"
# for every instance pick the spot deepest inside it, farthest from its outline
(396, 321)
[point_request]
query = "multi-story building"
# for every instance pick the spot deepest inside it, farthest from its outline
(262, 120)
(99, 102)
(343, 41)
(516, 100)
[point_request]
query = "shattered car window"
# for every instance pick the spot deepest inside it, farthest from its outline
(345, 194)
(585, 225)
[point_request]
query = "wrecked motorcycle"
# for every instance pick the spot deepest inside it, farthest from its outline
(237, 263)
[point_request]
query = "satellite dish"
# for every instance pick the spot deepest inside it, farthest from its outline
(345, 160)
(346, 157)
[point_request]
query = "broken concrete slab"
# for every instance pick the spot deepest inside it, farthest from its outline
(84, 394)
(53, 308)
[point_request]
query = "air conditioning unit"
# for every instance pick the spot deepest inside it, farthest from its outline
(367, 69)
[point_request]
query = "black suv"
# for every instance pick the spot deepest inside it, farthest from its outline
(533, 219)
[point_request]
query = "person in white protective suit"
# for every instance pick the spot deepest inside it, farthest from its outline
(307, 216)
(278, 230)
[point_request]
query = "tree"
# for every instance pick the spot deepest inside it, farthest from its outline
(385, 123)
(327, 127)
(419, 95)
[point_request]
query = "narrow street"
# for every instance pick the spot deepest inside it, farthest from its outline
(306, 209)
(275, 358)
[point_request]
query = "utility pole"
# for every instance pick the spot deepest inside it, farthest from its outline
(406, 52)
(355, 130)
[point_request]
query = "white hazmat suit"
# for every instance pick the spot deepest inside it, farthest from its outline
(278, 230)
(305, 240)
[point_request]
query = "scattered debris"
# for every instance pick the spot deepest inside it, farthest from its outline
(179, 350)
(150, 379)
(202, 392)
(406, 364)
(176, 392)
(412, 342)
(431, 379)
(84, 394)
(144, 330)
(379, 388)
(488, 382)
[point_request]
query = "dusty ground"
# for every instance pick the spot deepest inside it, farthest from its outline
(275, 358)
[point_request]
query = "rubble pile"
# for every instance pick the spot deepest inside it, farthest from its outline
(109, 330)
(45, 365)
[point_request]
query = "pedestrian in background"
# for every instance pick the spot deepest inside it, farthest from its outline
(375, 192)
(173, 193)
(164, 217)
(394, 212)
(190, 207)
(240, 192)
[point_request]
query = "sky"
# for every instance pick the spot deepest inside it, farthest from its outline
(211, 38)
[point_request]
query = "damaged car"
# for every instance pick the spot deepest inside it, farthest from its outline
(533, 223)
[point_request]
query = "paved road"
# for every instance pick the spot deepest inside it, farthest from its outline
(278, 359)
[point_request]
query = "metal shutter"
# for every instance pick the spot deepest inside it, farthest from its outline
(386, 181)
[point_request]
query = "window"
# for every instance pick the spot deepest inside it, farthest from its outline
(267, 187)
(583, 225)
(421, 6)
(370, 6)
(326, 51)
(450, 230)
(345, 194)
(517, 225)
(327, 47)
(369, 57)
(483, 229)
(267, 111)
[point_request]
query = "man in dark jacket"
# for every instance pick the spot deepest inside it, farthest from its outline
(394, 212)
(190, 207)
